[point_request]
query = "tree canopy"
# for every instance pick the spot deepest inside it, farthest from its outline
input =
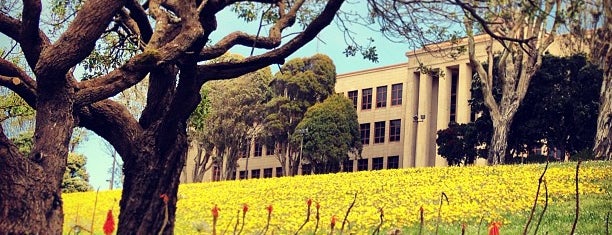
(333, 134)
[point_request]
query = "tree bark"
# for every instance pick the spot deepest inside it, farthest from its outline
(603, 137)
(142, 190)
(499, 141)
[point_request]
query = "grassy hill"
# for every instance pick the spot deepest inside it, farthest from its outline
(476, 197)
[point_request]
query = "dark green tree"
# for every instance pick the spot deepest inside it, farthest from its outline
(76, 178)
(333, 134)
(459, 143)
(298, 85)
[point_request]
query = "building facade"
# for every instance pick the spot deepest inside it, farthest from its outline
(400, 108)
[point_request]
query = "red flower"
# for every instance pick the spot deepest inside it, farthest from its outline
(269, 208)
(494, 228)
(318, 206)
(215, 211)
(333, 222)
(109, 224)
(309, 202)
(164, 197)
(245, 208)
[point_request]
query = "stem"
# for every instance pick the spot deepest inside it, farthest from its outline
(535, 202)
(347, 213)
(305, 221)
(577, 200)
(165, 222)
(237, 222)
(443, 196)
(421, 225)
(318, 218)
(377, 231)
(544, 209)
(93, 215)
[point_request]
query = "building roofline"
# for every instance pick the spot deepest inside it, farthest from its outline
(436, 47)
(370, 70)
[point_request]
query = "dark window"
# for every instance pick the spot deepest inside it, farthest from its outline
(396, 94)
(381, 96)
(392, 162)
(394, 130)
(267, 173)
(243, 175)
(306, 169)
(258, 149)
(379, 132)
(347, 166)
(255, 173)
(352, 95)
(453, 99)
(279, 172)
(269, 149)
(377, 163)
(362, 164)
(366, 98)
(364, 129)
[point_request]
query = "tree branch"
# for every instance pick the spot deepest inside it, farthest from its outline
(31, 43)
(18, 81)
(79, 39)
(138, 14)
(225, 70)
(10, 27)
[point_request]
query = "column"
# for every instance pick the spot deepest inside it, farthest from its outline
(463, 93)
(444, 99)
(423, 130)
(411, 103)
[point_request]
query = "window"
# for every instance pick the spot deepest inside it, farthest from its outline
(364, 130)
(306, 169)
(377, 163)
(267, 173)
(392, 162)
(279, 172)
(258, 149)
(243, 175)
(396, 94)
(381, 96)
(269, 149)
(352, 95)
(255, 173)
(453, 99)
(347, 166)
(362, 164)
(366, 98)
(394, 130)
(379, 132)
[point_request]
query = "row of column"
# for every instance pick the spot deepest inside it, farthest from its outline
(430, 95)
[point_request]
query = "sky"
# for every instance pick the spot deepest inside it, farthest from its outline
(331, 43)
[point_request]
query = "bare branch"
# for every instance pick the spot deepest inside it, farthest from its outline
(33, 46)
(225, 70)
(138, 14)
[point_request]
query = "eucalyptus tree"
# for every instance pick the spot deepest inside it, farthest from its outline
(524, 29)
(333, 134)
(169, 42)
(299, 84)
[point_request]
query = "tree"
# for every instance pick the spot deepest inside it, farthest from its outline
(236, 108)
(298, 85)
(171, 43)
(333, 134)
(590, 22)
(459, 143)
(76, 178)
(524, 29)
(559, 109)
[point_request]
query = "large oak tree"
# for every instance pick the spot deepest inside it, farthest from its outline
(173, 44)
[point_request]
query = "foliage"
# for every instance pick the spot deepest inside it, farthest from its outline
(474, 193)
(560, 107)
(299, 84)
(459, 143)
(15, 115)
(333, 133)
(76, 178)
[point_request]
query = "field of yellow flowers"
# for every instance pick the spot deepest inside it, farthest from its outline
(474, 193)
